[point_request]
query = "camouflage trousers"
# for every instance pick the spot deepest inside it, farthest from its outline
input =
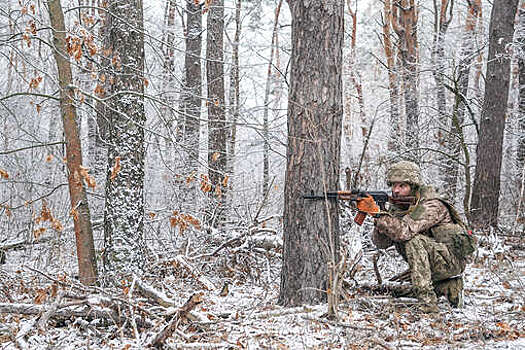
(430, 263)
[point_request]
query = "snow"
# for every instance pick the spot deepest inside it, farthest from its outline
(248, 317)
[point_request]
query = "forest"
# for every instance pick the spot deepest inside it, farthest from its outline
(157, 158)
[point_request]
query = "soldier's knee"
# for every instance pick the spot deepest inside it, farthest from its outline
(415, 241)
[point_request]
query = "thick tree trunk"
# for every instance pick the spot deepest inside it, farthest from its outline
(124, 211)
(311, 228)
(217, 129)
(485, 196)
(79, 205)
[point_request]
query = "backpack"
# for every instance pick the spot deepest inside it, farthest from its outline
(463, 242)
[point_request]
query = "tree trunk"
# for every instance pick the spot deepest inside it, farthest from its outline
(216, 112)
(520, 150)
(485, 196)
(395, 139)
(315, 107)
(404, 21)
(269, 80)
(79, 205)
(455, 134)
(234, 92)
(124, 212)
(438, 58)
(193, 81)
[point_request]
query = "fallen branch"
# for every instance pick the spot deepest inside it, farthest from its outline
(154, 295)
(168, 329)
(402, 277)
(203, 280)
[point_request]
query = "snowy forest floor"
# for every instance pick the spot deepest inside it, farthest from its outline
(182, 303)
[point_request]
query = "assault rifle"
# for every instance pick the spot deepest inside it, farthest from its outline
(367, 202)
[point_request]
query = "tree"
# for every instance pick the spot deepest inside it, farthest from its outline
(124, 211)
(485, 196)
(454, 136)
(393, 80)
(315, 108)
(269, 81)
(192, 91)
(234, 91)
(404, 21)
(520, 37)
(76, 173)
(217, 157)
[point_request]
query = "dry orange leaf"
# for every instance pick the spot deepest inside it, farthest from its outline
(215, 156)
(38, 232)
(49, 158)
(41, 296)
(116, 169)
(90, 181)
(4, 174)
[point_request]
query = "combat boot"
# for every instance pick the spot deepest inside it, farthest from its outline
(451, 288)
(455, 292)
(427, 301)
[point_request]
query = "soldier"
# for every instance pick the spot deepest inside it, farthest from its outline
(429, 235)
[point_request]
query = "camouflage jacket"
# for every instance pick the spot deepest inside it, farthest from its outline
(402, 226)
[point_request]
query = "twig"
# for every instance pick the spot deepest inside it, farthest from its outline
(376, 269)
(159, 338)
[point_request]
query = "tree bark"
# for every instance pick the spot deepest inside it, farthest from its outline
(193, 80)
(234, 93)
(315, 107)
(216, 111)
(87, 265)
(485, 196)
(124, 212)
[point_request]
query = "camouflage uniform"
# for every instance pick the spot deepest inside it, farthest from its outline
(423, 236)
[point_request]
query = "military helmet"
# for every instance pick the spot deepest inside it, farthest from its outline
(404, 171)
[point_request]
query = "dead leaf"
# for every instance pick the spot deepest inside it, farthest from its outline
(41, 296)
(116, 169)
(4, 174)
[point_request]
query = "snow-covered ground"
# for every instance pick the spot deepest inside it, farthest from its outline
(246, 315)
